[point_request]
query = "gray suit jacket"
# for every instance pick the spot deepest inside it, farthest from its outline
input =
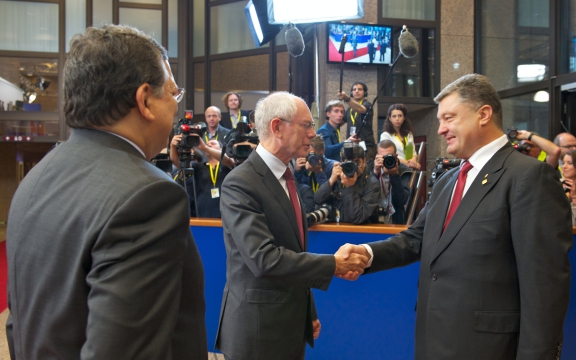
(495, 285)
(102, 264)
(267, 307)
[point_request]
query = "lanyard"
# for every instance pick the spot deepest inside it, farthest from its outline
(206, 136)
(403, 141)
(237, 119)
(338, 134)
(214, 174)
(315, 185)
(353, 116)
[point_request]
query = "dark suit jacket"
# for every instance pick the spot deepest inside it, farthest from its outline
(267, 306)
(495, 284)
(227, 123)
(102, 264)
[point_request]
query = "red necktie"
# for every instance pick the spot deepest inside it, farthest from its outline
(294, 200)
(458, 191)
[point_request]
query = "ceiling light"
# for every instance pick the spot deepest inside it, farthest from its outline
(542, 96)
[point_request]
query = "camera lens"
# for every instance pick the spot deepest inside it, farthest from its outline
(312, 159)
(349, 168)
(390, 161)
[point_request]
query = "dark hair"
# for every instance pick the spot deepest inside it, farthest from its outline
(227, 95)
(363, 87)
(475, 91)
(318, 143)
(406, 126)
(572, 154)
(104, 69)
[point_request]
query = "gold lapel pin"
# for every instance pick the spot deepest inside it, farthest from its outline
(484, 181)
(485, 176)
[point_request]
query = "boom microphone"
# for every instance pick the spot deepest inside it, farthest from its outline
(294, 41)
(342, 44)
(407, 43)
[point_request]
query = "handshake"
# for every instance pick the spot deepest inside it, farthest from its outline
(351, 260)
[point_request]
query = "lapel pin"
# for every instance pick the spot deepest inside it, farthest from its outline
(485, 176)
(484, 181)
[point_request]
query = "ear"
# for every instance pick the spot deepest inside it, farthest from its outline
(485, 115)
(143, 96)
(275, 126)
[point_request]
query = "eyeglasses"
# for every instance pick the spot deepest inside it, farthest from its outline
(179, 94)
(568, 146)
(306, 126)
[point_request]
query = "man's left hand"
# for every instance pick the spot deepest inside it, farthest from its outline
(316, 328)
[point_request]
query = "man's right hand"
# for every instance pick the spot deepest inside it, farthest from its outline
(347, 251)
(354, 138)
(353, 263)
(176, 140)
(300, 163)
(378, 164)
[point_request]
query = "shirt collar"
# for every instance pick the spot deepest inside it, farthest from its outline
(276, 165)
(485, 153)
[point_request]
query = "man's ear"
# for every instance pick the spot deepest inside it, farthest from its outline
(485, 114)
(143, 95)
(275, 126)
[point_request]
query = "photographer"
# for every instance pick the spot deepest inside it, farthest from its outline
(352, 189)
(538, 147)
(330, 131)
(208, 176)
(240, 142)
(315, 169)
(394, 178)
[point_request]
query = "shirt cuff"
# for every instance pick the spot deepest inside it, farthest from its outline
(369, 249)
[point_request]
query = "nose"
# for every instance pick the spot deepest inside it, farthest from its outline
(442, 129)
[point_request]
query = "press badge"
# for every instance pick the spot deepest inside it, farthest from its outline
(215, 193)
(352, 130)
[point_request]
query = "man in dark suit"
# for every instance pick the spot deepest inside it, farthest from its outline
(214, 131)
(102, 264)
(267, 309)
(495, 277)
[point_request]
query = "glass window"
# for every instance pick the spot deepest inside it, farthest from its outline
(75, 19)
(409, 9)
(515, 42)
(173, 28)
(198, 42)
(567, 46)
(157, 2)
(412, 77)
(199, 88)
(229, 29)
(146, 20)
(28, 26)
(101, 12)
(30, 130)
(37, 80)
(524, 113)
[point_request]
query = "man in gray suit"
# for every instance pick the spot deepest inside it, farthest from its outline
(267, 308)
(495, 278)
(102, 264)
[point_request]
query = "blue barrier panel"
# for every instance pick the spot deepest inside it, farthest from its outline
(372, 318)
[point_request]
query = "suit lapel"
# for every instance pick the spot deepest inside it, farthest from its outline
(483, 183)
(277, 191)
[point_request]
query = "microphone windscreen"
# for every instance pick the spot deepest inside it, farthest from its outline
(407, 44)
(294, 41)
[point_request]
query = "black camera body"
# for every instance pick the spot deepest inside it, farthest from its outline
(187, 128)
(349, 167)
(523, 148)
(440, 167)
(238, 135)
(389, 161)
(312, 158)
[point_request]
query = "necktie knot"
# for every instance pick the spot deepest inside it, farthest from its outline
(288, 175)
(466, 166)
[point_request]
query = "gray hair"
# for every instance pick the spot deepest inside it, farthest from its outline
(104, 69)
(280, 104)
(475, 91)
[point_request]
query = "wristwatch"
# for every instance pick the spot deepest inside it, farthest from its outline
(530, 136)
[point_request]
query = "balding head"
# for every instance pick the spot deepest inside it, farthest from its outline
(566, 142)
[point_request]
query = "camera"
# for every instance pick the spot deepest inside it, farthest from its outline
(440, 167)
(322, 213)
(389, 161)
(186, 128)
(312, 158)
(349, 167)
(241, 133)
(523, 148)
(512, 134)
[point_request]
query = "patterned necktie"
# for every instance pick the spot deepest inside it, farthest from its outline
(458, 191)
(294, 200)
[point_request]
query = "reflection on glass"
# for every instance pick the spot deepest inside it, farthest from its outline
(28, 26)
(146, 20)
(524, 113)
(75, 19)
(514, 34)
(229, 29)
(198, 42)
(101, 12)
(30, 130)
(33, 84)
(415, 9)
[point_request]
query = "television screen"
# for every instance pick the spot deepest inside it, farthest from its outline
(366, 44)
